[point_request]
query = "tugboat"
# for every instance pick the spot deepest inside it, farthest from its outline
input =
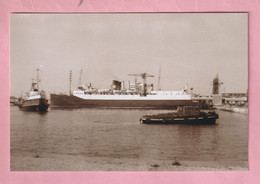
(35, 100)
(190, 114)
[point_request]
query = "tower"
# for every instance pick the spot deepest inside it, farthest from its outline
(216, 97)
(216, 85)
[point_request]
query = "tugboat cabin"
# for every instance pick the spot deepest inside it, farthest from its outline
(188, 111)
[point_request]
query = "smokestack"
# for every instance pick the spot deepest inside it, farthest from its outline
(116, 85)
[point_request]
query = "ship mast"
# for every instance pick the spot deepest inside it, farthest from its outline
(80, 75)
(70, 81)
(159, 79)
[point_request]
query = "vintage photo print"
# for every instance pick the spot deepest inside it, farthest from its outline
(129, 92)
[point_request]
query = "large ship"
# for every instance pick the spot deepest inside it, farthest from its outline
(121, 95)
(35, 100)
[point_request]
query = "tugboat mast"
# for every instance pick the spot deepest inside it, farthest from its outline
(37, 79)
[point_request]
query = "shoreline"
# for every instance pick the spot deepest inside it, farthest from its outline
(240, 110)
(82, 163)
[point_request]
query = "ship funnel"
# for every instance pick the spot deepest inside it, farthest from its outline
(116, 85)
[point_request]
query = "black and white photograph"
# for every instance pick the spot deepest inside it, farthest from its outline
(129, 91)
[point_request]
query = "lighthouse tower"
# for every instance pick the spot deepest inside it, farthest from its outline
(216, 85)
(216, 97)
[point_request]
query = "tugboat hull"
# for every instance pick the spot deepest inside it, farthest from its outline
(198, 120)
(183, 115)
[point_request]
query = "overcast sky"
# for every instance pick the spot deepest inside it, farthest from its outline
(190, 48)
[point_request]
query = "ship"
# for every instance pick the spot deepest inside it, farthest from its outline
(35, 100)
(191, 114)
(122, 95)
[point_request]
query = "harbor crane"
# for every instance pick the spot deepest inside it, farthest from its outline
(144, 76)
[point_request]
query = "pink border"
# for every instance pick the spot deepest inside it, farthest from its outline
(250, 6)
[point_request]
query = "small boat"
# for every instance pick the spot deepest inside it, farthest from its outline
(35, 100)
(13, 99)
(18, 102)
(190, 114)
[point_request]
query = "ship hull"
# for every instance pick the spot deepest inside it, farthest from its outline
(40, 105)
(63, 101)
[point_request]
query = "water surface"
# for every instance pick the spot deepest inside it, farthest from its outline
(105, 139)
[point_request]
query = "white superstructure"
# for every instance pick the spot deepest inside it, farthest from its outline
(154, 95)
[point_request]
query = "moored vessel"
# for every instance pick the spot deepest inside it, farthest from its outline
(121, 95)
(35, 100)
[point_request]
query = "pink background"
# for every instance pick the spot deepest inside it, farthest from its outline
(37, 6)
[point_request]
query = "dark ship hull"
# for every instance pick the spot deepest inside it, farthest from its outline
(40, 105)
(184, 115)
(194, 120)
(66, 101)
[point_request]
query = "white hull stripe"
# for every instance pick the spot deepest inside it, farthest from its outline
(133, 97)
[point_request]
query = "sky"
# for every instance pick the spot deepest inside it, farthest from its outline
(190, 48)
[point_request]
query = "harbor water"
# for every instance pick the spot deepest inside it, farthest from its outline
(115, 140)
